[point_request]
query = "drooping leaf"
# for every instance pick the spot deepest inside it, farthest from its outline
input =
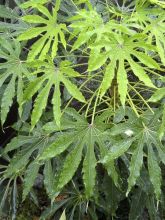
(30, 176)
(136, 164)
(70, 165)
(154, 172)
(89, 167)
(48, 177)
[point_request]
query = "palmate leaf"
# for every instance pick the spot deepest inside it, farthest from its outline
(51, 32)
(52, 76)
(76, 136)
(28, 146)
(156, 32)
(89, 27)
(145, 134)
(15, 27)
(24, 144)
(121, 49)
(14, 70)
(86, 24)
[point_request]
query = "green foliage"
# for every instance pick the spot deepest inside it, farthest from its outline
(87, 80)
(52, 76)
(53, 30)
(77, 133)
(13, 73)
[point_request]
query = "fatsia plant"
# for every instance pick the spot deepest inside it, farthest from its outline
(67, 64)
(81, 138)
(115, 51)
(145, 141)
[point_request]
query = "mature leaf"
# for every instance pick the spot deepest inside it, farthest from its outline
(57, 147)
(76, 133)
(89, 171)
(154, 172)
(30, 176)
(137, 204)
(118, 150)
(51, 77)
(48, 177)
(7, 99)
(51, 31)
(15, 70)
(136, 164)
(19, 141)
(70, 165)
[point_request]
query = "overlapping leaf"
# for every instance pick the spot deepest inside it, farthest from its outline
(121, 50)
(156, 34)
(80, 137)
(144, 133)
(52, 76)
(13, 71)
(49, 30)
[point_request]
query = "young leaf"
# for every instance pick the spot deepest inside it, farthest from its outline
(108, 77)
